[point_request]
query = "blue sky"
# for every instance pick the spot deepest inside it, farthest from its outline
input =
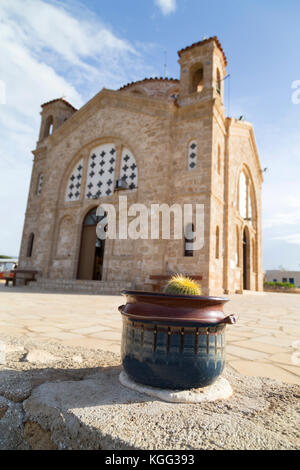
(68, 48)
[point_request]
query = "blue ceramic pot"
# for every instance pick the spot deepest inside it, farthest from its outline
(174, 342)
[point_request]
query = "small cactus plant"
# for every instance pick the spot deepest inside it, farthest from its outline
(180, 285)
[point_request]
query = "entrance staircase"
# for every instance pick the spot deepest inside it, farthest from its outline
(80, 287)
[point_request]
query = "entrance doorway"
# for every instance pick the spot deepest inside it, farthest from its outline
(91, 255)
(246, 260)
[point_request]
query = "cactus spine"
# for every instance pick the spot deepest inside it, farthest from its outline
(180, 285)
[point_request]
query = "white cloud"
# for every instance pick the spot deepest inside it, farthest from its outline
(290, 217)
(48, 51)
(293, 239)
(166, 6)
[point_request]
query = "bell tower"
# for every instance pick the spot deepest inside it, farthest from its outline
(54, 114)
(202, 72)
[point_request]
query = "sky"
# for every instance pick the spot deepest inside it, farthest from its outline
(51, 49)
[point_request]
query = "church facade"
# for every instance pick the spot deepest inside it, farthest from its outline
(171, 143)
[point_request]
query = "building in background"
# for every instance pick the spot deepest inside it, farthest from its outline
(171, 142)
(276, 275)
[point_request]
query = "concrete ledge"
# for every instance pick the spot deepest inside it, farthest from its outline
(66, 406)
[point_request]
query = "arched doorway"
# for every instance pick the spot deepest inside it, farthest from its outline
(246, 259)
(91, 254)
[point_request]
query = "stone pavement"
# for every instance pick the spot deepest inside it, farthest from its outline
(262, 343)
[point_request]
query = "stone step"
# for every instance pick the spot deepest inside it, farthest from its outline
(74, 285)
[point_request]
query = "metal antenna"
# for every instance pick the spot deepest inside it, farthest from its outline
(165, 64)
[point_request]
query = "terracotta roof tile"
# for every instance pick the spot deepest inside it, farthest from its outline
(59, 99)
(214, 38)
(149, 80)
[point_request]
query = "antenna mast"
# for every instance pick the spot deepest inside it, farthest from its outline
(165, 64)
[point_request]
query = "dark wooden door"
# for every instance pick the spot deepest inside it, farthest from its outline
(87, 253)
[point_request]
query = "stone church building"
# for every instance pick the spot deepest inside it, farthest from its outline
(170, 141)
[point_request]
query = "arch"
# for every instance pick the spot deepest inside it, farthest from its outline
(84, 153)
(48, 126)
(192, 155)
(30, 245)
(196, 78)
(246, 195)
(91, 255)
(243, 196)
(189, 238)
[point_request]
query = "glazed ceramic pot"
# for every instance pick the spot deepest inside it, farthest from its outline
(173, 341)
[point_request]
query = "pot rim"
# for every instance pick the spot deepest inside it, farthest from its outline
(174, 296)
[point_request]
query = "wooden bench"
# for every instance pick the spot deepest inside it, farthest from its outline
(27, 275)
(161, 279)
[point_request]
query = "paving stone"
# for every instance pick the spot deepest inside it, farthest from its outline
(281, 342)
(245, 353)
(91, 330)
(265, 348)
(108, 335)
(294, 369)
(258, 369)
(282, 358)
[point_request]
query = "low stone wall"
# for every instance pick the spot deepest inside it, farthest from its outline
(56, 397)
(282, 290)
(74, 285)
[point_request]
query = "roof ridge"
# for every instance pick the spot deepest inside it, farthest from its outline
(204, 41)
(59, 99)
(150, 79)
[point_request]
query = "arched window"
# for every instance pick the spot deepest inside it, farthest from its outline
(30, 245)
(48, 126)
(197, 80)
(219, 89)
(101, 180)
(245, 197)
(189, 237)
(217, 242)
(39, 184)
(192, 155)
